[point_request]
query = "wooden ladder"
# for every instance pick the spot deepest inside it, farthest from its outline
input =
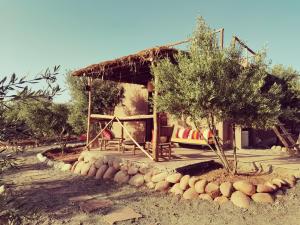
(286, 138)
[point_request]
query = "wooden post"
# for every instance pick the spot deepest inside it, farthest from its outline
(155, 124)
(89, 111)
(222, 38)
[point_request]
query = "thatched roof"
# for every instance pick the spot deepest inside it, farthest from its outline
(133, 68)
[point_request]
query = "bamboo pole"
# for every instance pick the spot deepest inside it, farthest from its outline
(89, 111)
(134, 141)
(155, 124)
(98, 135)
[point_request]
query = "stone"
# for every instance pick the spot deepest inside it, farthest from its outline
(41, 158)
(117, 163)
(2, 189)
(273, 186)
(92, 156)
(116, 215)
(262, 188)
(109, 173)
(92, 172)
(121, 177)
(291, 181)
(124, 167)
(212, 189)
(132, 170)
(262, 198)
(98, 163)
(148, 176)
(162, 185)
(190, 193)
(245, 187)
(50, 163)
(150, 185)
(78, 167)
(200, 186)
(144, 169)
(137, 180)
(184, 182)
(278, 148)
(101, 171)
(279, 182)
(221, 200)
(74, 166)
(273, 147)
(206, 197)
(226, 189)
(58, 165)
(284, 149)
(174, 178)
(85, 168)
(175, 189)
(82, 155)
(240, 199)
(159, 177)
(66, 167)
(192, 181)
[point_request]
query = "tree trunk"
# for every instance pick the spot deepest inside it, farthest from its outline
(234, 170)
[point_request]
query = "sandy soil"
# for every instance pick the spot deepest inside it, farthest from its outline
(41, 194)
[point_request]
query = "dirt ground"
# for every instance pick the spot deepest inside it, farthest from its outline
(41, 194)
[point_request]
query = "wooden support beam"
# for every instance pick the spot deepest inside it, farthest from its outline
(122, 118)
(98, 135)
(134, 141)
(89, 111)
(155, 124)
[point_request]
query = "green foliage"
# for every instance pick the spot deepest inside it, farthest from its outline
(209, 81)
(106, 95)
(290, 95)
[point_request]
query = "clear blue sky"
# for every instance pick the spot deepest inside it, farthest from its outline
(36, 34)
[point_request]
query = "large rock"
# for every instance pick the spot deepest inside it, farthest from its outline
(101, 171)
(212, 189)
(184, 182)
(74, 166)
(144, 169)
(245, 187)
(162, 185)
(121, 177)
(92, 172)
(117, 163)
(137, 180)
(273, 186)
(193, 180)
(85, 168)
(98, 163)
(221, 200)
(176, 189)
(262, 198)
(174, 178)
(291, 181)
(109, 173)
(240, 199)
(279, 182)
(262, 188)
(200, 186)
(205, 197)
(150, 185)
(78, 167)
(148, 176)
(132, 170)
(190, 194)
(226, 189)
(159, 177)
(66, 167)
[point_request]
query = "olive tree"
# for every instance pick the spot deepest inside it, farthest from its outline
(209, 83)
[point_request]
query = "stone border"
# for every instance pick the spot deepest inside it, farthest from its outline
(101, 166)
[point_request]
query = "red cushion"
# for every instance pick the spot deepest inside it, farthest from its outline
(107, 134)
(186, 133)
